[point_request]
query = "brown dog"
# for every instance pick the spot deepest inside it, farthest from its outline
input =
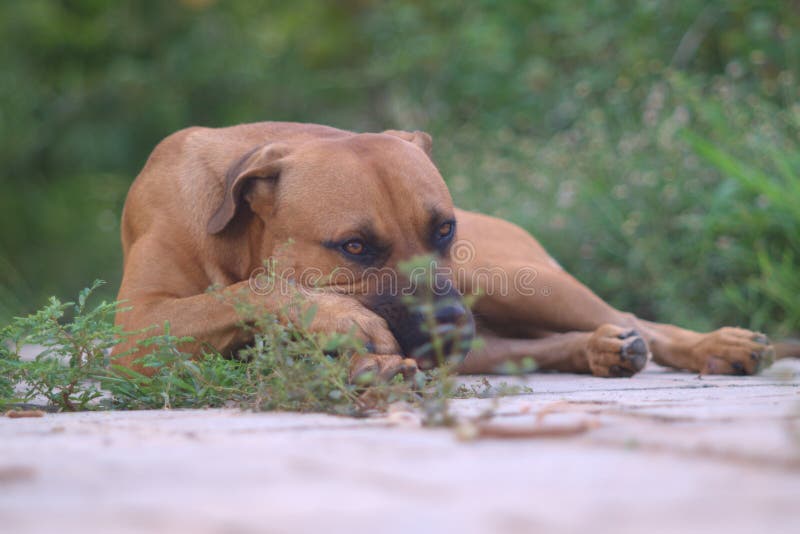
(211, 205)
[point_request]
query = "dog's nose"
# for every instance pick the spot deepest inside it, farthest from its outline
(450, 313)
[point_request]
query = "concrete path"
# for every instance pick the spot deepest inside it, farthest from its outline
(666, 452)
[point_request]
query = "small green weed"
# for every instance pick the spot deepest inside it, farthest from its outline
(286, 368)
(74, 353)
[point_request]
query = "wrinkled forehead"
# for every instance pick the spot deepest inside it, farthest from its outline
(365, 176)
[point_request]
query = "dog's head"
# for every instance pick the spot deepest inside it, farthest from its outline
(355, 209)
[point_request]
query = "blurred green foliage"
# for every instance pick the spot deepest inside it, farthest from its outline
(650, 145)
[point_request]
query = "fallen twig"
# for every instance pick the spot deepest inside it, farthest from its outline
(478, 430)
(18, 414)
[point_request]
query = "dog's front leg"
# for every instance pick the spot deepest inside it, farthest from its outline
(212, 319)
(728, 350)
(209, 319)
(609, 351)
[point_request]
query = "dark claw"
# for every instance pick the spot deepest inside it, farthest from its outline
(619, 371)
(755, 356)
(636, 353)
(738, 368)
(627, 333)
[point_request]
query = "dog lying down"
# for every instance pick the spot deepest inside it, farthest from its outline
(211, 205)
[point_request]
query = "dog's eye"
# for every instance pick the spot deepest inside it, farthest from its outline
(445, 230)
(355, 247)
(444, 234)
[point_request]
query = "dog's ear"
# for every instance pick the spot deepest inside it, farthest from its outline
(421, 139)
(263, 162)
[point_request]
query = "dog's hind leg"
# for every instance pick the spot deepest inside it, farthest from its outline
(523, 292)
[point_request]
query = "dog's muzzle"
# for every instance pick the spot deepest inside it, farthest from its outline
(433, 328)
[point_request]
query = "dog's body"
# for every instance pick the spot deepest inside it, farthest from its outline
(211, 205)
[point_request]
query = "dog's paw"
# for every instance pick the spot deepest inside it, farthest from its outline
(616, 352)
(344, 314)
(732, 351)
(368, 369)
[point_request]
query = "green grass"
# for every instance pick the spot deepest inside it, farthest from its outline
(285, 368)
(686, 214)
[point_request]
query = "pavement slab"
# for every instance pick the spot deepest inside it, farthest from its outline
(661, 452)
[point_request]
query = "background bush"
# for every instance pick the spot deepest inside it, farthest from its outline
(651, 145)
